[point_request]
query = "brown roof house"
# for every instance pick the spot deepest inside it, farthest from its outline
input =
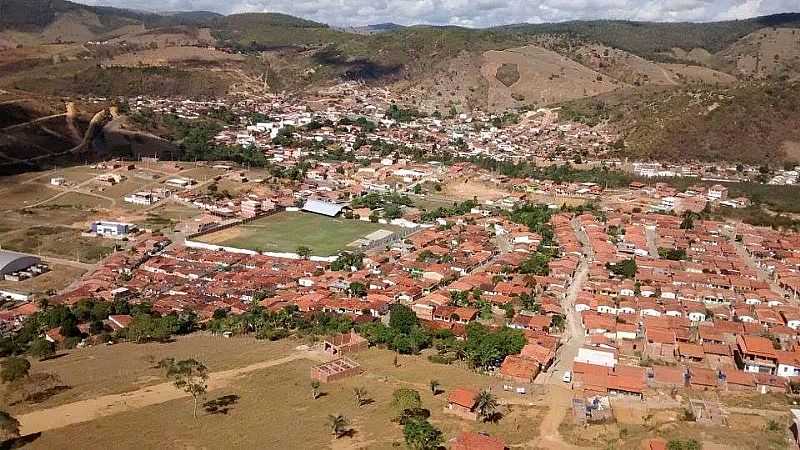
(519, 369)
(756, 354)
(462, 402)
(469, 440)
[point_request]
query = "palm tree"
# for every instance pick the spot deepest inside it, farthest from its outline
(315, 389)
(434, 386)
(337, 424)
(486, 405)
(360, 394)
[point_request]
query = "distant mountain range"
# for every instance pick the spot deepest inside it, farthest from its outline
(600, 71)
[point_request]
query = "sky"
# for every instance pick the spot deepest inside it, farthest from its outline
(475, 13)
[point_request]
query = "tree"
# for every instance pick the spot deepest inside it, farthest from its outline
(315, 389)
(625, 268)
(392, 211)
(688, 221)
(361, 396)
(14, 368)
(42, 348)
(676, 444)
(402, 318)
(404, 398)
(189, 375)
(486, 405)
(434, 384)
(356, 289)
(421, 435)
(9, 427)
(303, 251)
(337, 424)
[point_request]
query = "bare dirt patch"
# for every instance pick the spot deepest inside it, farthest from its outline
(467, 189)
(545, 77)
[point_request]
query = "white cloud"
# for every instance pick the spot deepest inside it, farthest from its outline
(476, 13)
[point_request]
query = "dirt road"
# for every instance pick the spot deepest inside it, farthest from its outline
(559, 398)
(559, 403)
(88, 410)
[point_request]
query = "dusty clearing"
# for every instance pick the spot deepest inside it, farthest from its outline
(462, 189)
(267, 402)
(107, 370)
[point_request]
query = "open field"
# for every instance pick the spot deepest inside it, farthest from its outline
(74, 175)
(467, 189)
(59, 277)
(286, 231)
(80, 201)
(166, 216)
(57, 241)
(273, 408)
(102, 370)
(16, 194)
(743, 432)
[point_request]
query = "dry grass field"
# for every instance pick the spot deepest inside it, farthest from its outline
(170, 56)
(273, 408)
(633, 424)
(80, 201)
(102, 369)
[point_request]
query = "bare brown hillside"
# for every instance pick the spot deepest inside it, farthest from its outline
(545, 77)
(766, 52)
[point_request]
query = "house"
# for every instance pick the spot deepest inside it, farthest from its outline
(344, 343)
(119, 321)
(54, 335)
(454, 314)
(788, 364)
(142, 198)
(112, 229)
(519, 369)
(596, 357)
(468, 440)
(535, 323)
(462, 402)
(667, 376)
(755, 354)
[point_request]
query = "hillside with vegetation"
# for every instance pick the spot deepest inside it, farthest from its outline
(751, 122)
(675, 89)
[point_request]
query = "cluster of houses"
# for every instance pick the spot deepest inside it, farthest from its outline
(696, 312)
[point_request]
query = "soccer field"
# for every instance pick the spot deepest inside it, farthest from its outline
(286, 231)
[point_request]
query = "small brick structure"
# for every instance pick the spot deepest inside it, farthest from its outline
(335, 370)
(344, 343)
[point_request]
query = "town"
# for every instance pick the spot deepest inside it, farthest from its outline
(559, 294)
